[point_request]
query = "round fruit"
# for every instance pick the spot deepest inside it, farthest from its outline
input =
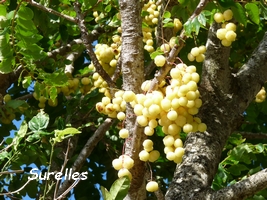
(228, 15)
(152, 186)
(127, 162)
(160, 60)
(218, 17)
(7, 98)
(124, 133)
(230, 36)
(165, 48)
(190, 57)
(144, 155)
(202, 49)
(200, 58)
(168, 140)
(195, 51)
(230, 27)
(124, 172)
(202, 127)
(153, 155)
(117, 164)
(128, 96)
(221, 33)
(121, 116)
(85, 81)
(187, 128)
(226, 43)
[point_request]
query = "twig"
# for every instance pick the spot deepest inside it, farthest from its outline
(63, 49)
(12, 172)
(86, 151)
(49, 10)
(69, 189)
(176, 49)
(250, 135)
(87, 41)
(16, 191)
(62, 168)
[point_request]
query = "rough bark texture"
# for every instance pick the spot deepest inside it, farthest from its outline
(225, 98)
(132, 61)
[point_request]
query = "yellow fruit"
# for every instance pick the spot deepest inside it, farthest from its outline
(160, 60)
(152, 186)
(218, 17)
(7, 98)
(228, 15)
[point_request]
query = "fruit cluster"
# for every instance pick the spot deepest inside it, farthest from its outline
(123, 164)
(153, 12)
(197, 53)
(173, 106)
(227, 33)
(261, 96)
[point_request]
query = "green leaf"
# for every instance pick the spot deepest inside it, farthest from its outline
(226, 3)
(39, 122)
(21, 134)
(105, 193)
(169, 25)
(108, 8)
(202, 19)
(237, 169)
(4, 155)
(188, 26)
(263, 10)
(6, 65)
(26, 24)
(25, 13)
(2, 10)
(55, 79)
(67, 131)
(53, 93)
(167, 14)
(239, 13)
(119, 188)
(155, 53)
(15, 103)
(253, 12)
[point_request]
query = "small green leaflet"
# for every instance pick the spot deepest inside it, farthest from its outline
(61, 134)
(253, 12)
(39, 122)
(239, 13)
(25, 13)
(20, 135)
(118, 190)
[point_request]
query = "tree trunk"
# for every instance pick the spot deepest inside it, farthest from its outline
(133, 75)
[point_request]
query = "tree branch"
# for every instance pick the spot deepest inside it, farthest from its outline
(86, 151)
(87, 41)
(216, 72)
(250, 135)
(49, 10)
(243, 188)
(72, 57)
(253, 74)
(176, 49)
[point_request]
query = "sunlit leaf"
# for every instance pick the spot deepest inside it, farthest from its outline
(253, 12)
(39, 122)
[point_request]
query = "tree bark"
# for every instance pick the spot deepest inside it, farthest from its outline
(132, 61)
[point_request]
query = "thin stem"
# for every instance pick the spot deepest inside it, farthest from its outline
(49, 10)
